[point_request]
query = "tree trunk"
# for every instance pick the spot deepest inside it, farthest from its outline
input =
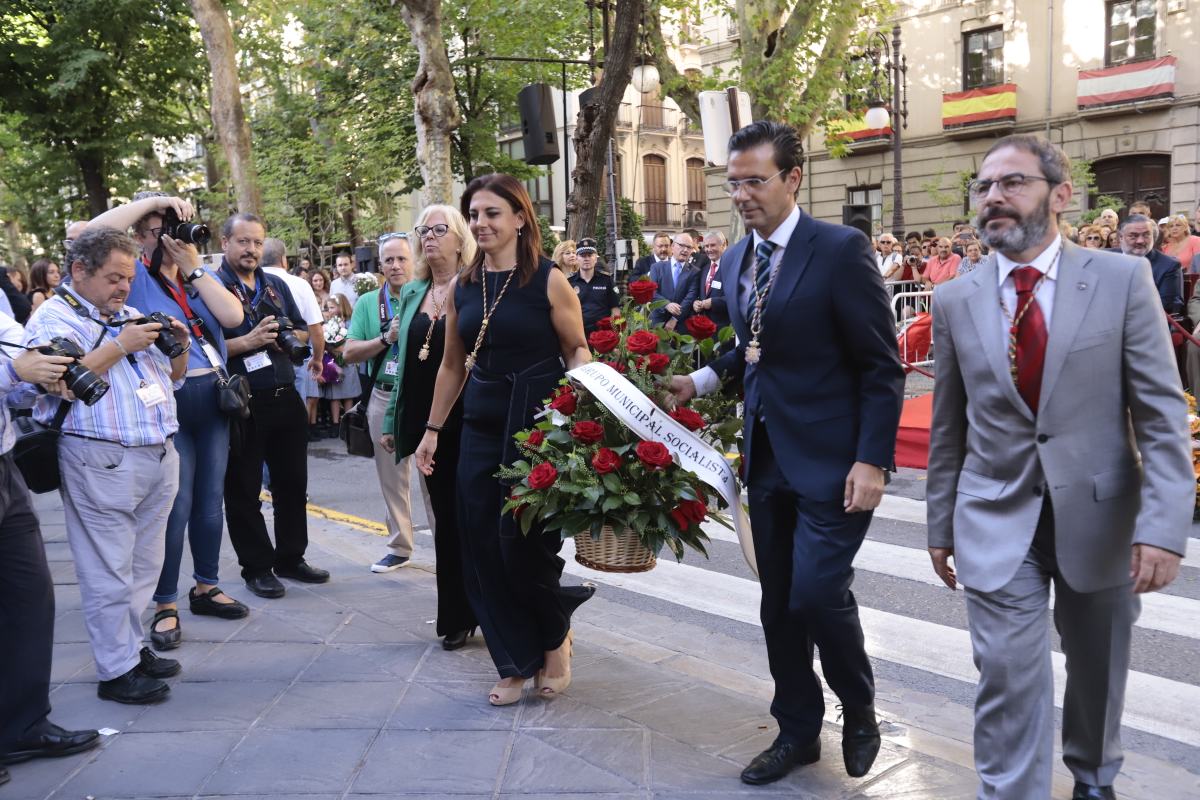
(228, 117)
(596, 121)
(95, 183)
(435, 106)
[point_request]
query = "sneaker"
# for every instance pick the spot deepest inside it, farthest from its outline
(389, 563)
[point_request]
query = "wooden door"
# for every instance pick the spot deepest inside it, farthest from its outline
(654, 177)
(1132, 178)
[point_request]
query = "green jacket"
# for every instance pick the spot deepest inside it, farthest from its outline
(411, 296)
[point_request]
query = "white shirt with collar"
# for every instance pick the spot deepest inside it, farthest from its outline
(706, 379)
(302, 293)
(1045, 263)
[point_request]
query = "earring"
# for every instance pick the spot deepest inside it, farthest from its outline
(519, 230)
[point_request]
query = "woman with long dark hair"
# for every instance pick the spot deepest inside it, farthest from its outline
(513, 329)
(44, 275)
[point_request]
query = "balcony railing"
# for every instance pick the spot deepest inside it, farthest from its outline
(625, 115)
(660, 212)
(659, 118)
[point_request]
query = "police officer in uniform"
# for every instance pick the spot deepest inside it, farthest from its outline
(597, 292)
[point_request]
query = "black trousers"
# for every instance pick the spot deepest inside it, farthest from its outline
(804, 549)
(26, 611)
(276, 432)
(454, 610)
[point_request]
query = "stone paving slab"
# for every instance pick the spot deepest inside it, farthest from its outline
(343, 691)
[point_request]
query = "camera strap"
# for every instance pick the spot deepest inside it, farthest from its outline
(385, 319)
(199, 329)
(76, 306)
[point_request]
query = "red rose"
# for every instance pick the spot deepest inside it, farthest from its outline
(700, 326)
(564, 402)
(617, 365)
(604, 324)
(643, 342)
(535, 439)
(642, 291)
(517, 510)
(587, 432)
(604, 341)
(542, 476)
(657, 363)
(687, 418)
(605, 461)
(689, 512)
(653, 454)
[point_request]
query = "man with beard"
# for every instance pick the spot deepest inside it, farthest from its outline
(824, 387)
(1024, 491)
(1138, 236)
(276, 430)
(660, 251)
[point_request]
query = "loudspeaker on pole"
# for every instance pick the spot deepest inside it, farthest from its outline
(538, 130)
(858, 216)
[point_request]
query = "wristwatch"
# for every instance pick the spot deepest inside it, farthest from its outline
(198, 272)
(383, 341)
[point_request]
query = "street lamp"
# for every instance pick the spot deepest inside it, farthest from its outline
(886, 57)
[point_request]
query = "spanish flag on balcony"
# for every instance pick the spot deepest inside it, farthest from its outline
(976, 106)
(855, 130)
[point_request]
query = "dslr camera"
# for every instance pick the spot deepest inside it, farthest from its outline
(167, 341)
(83, 383)
(195, 233)
(296, 351)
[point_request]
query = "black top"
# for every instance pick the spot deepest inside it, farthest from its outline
(419, 380)
(271, 290)
(598, 297)
(520, 332)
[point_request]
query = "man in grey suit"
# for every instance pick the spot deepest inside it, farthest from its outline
(1059, 455)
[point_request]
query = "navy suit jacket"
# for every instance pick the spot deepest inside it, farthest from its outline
(829, 385)
(683, 292)
(719, 313)
(1168, 278)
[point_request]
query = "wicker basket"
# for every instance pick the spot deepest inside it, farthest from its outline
(613, 552)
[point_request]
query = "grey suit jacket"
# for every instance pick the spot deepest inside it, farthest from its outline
(1110, 441)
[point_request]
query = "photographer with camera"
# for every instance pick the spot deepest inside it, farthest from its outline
(118, 465)
(266, 347)
(170, 280)
(27, 589)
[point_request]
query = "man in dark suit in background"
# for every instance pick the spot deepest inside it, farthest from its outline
(710, 295)
(824, 386)
(1138, 235)
(677, 281)
(660, 251)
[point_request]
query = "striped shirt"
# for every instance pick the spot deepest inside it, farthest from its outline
(119, 416)
(12, 389)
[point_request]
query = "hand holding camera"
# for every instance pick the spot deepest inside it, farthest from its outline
(263, 334)
(138, 334)
(182, 254)
(34, 366)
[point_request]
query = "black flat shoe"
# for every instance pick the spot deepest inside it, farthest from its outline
(154, 667)
(779, 759)
(133, 688)
(1085, 791)
(169, 639)
(860, 740)
(454, 641)
(265, 585)
(304, 572)
(48, 740)
(4, 776)
(205, 605)
(574, 596)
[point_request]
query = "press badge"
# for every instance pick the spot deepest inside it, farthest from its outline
(151, 394)
(257, 361)
(390, 368)
(716, 284)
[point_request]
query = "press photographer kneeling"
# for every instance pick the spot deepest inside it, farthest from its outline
(119, 470)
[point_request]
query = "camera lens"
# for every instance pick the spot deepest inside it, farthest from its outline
(85, 384)
(192, 233)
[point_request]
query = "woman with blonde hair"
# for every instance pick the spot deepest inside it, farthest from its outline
(1090, 236)
(565, 257)
(442, 247)
(1178, 241)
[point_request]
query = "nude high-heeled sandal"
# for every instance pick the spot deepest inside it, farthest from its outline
(505, 695)
(552, 687)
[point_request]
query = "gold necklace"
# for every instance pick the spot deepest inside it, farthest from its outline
(487, 312)
(437, 314)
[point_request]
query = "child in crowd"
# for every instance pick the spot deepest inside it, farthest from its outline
(339, 384)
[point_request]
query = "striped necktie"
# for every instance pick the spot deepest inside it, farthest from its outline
(762, 264)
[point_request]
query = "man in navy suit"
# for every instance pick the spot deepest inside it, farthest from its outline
(1138, 236)
(677, 281)
(824, 387)
(710, 293)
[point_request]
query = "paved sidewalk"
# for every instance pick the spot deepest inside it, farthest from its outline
(342, 690)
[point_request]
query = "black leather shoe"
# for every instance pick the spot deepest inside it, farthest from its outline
(4, 776)
(154, 667)
(265, 585)
(1085, 791)
(205, 605)
(133, 688)
(454, 641)
(303, 571)
(860, 739)
(47, 740)
(779, 759)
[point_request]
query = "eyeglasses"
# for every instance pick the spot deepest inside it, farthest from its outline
(67, 244)
(683, 246)
(439, 230)
(155, 232)
(1091, 238)
(384, 237)
(1011, 185)
(750, 184)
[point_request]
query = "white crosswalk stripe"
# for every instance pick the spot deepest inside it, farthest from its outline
(1156, 705)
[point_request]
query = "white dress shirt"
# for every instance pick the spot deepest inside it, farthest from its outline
(706, 378)
(1046, 263)
(302, 293)
(344, 287)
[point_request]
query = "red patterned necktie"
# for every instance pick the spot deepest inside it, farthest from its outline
(712, 273)
(1029, 335)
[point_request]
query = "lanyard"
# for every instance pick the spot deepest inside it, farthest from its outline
(385, 316)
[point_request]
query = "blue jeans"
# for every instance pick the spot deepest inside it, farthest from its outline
(203, 446)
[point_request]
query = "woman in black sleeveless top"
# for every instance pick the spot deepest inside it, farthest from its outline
(514, 328)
